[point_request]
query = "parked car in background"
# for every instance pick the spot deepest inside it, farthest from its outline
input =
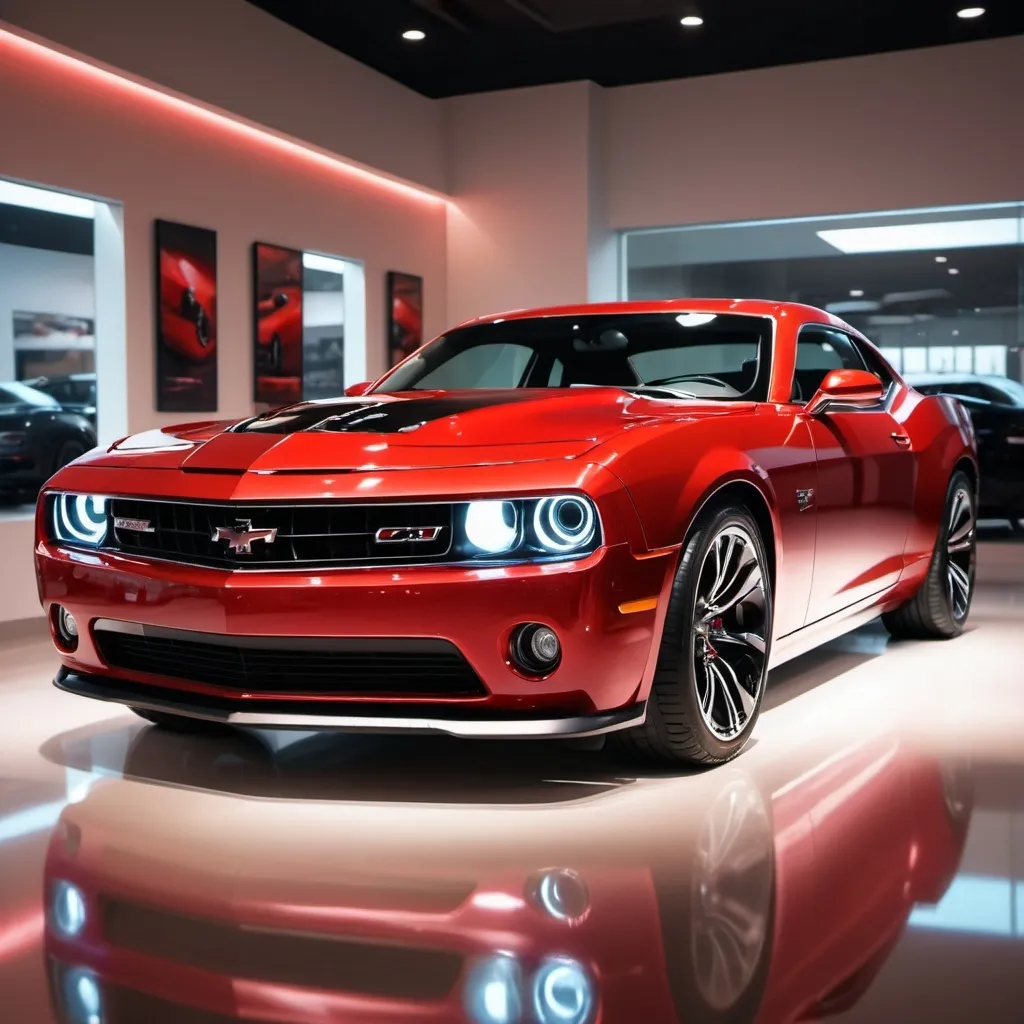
(37, 437)
(996, 405)
(76, 392)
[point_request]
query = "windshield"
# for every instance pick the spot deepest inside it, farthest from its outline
(13, 393)
(698, 355)
(1012, 392)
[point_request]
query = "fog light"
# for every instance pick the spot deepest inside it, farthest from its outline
(562, 993)
(67, 909)
(536, 649)
(82, 997)
(68, 625)
(562, 894)
(67, 628)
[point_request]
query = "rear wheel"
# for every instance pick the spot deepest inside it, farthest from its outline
(940, 608)
(713, 660)
(67, 453)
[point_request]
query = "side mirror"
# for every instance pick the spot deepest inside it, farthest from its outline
(856, 389)
(280, 299)
(355, 390)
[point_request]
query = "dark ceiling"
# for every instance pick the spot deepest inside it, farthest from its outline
(480, 45)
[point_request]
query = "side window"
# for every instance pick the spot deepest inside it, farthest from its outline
(874, 364)
(557, 374)
(818, 351)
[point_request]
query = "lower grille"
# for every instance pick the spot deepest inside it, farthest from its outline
(288, 665)
(337, 964)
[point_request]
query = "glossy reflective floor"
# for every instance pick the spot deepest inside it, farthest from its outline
(862, 861)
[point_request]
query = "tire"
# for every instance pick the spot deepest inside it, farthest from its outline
(67, 453)
(180, 723)
(693, 717)
(940, 608)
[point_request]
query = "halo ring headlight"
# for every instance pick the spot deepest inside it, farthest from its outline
(562, 993)
(564, 523)
(80, 519)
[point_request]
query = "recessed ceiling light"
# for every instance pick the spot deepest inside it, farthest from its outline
(414, 35)
(691, 21)
(856, 293)
(970, 12)
(953, 270)
(941, 259)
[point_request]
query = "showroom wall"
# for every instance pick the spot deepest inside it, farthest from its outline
(538, 175)
(40, 281)
(100, 138)
(237, 57)
(930, 127)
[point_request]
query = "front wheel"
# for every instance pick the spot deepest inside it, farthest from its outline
(713, 660)
(940, 608)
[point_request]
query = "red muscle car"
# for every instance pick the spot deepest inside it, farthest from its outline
(188, 295)
(572, 521)
(724, 899)
(279, 331)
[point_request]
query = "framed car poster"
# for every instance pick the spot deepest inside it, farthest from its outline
(186, 330)
(277, 320)
(405, 315)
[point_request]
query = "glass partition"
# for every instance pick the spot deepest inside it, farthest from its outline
(939, 289)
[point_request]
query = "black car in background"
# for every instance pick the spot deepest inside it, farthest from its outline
(37, 437)
(76, 392)
(996, 405)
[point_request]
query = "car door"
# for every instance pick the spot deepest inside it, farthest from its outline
(866, 472)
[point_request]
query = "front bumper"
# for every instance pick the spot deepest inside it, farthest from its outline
(607, 652)
(266, 716)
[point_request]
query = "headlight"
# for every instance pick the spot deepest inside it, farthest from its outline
(492, 526)
(80, 519)
(67, 909)
(528, 529)
(562, 993)
(564, 524)
(494, 992)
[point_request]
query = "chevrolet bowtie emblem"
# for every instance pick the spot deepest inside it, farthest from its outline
(242, 536)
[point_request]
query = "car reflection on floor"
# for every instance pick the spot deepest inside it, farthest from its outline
(296, 893)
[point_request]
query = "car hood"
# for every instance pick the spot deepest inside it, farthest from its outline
(402, 431)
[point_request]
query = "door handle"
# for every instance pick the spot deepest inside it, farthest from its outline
(903, 440)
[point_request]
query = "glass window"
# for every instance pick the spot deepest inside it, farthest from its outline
(937, 290)
(16, 395)
(818, 351)
(725, 356)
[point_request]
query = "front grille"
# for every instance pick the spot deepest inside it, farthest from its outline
(287, 665)
(333, 963)
(306, 536)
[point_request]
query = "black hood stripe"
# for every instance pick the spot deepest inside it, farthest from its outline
(386, 415)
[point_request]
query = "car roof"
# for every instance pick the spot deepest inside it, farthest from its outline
(743, 307)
